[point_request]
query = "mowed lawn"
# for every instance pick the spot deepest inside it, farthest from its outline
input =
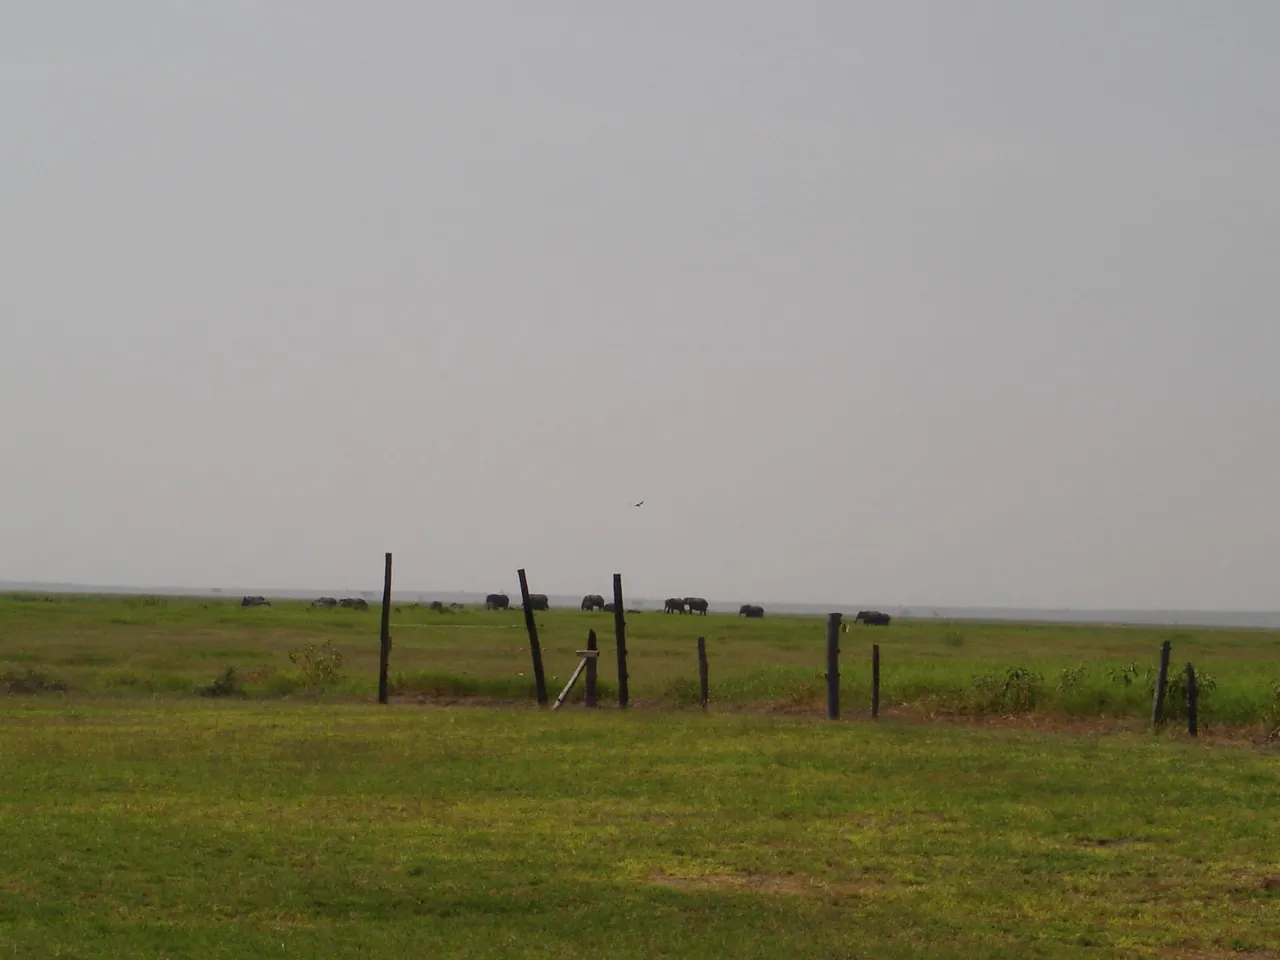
(190, 827)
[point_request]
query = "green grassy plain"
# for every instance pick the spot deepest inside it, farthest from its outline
(213, 828)
(167, 647)
(141, 819)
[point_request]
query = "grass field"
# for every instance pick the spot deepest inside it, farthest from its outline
(250, 829)
(168, 647)
(141, 819)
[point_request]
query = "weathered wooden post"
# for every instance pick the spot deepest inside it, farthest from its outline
(589, 698)
(1162, 681)
(620, 632)
(384, 652)
(833, 666)
(1193, 697)
(703, 684)
(535, 648)
(875, 680)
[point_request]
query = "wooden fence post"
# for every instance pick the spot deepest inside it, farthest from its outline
(384, 652)
(589, 698)
(620, 632)
(1193, 697)
(875, 680)
(1162, 681)
(833, 666)
(535, 648)
(703, 683)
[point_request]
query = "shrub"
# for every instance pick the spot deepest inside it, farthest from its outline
(1272, 715)
(1018, 691)
(1070, 677)
(1132, 674)
(321, 666)
(1175, 692)
(226, 684)
(953, 638)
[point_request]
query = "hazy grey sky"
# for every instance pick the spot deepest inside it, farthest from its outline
(951, 302)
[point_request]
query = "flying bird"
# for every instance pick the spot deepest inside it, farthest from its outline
(640, 504)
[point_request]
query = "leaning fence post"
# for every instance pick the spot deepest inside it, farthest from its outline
(1193, 697)
(1162, 680)
(535, 648)
(703, 684)
(384, 648)
(833, 666)
(589, 698)
(620, 632)
(875, 680)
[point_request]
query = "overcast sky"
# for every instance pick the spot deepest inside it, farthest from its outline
(951, 302)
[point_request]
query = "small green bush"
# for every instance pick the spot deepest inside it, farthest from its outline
(1271, 716)
(226, 684)
(1070, 677)
(1175, 692)
(321, 667)
(1132, 674)
(1018, 691)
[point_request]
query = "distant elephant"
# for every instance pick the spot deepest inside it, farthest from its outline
(539, 601)
(696, 605)
(751, 610)
(497, 601)
(326, 602)
(593, 601)
(674, 605)
(354, 603)
(873, 618)
(255, 602)
(610, 607)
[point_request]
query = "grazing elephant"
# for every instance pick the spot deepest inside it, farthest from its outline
(326, 602)
(539, 601)
(751, 610)
(873, 618)
(497, 601)
(610, 607)
(593, 601)
(696, 605)
(354, 603)
(255, 602)
(674, 605)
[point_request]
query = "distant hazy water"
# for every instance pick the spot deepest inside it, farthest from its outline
(1203, 618)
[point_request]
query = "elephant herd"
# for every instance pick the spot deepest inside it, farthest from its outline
(685, 605)
(591, 602)
(346, 603)
(500, 601)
